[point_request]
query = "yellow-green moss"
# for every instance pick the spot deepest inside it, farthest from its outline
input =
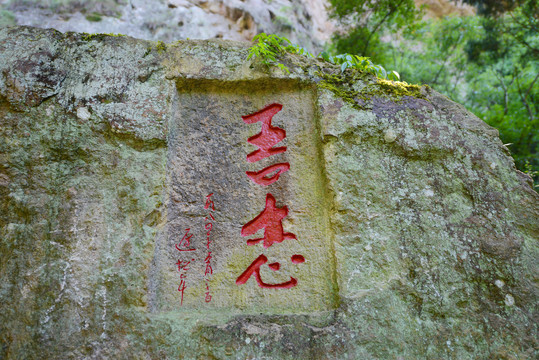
(90, 37)
(161, 47)
(341, 86)
(399, 88)
(157, 45)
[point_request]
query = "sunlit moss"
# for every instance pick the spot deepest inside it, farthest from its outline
(399, 88)
(342, 86)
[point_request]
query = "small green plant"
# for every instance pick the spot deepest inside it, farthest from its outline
(94, 17)
(269, 48)
(360, 63)
(161, 47)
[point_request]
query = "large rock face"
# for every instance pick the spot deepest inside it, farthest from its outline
(303, 21)
(394, 224)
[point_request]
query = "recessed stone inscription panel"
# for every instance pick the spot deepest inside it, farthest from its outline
(247, 224)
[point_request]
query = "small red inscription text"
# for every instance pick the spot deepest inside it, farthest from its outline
(183, 265)
(210, 206)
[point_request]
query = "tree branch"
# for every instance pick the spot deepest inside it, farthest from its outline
(523, 98)
(531, 86)
(389, 13)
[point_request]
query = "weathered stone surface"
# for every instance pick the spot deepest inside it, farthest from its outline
(419, 235)
(303, 21)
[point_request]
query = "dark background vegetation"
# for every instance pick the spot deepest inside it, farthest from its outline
(488, 62)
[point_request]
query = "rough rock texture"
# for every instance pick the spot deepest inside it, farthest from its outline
(304, 21)
(420, 236)
(441, 8)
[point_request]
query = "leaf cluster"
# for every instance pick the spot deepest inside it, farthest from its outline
(361, 63)
(270, 48)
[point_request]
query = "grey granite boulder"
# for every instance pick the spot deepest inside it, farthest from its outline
(179, 201)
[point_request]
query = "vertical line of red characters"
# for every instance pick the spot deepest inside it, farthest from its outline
(185, 246)
(270, 219)
(183, 265)
(209, 225)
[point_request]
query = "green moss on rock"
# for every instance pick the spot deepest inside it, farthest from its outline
(398, 88)
(343, 86)
(98, 37)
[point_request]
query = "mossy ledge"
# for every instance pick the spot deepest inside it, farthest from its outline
(91, 37)
(342, 86)
(398, 88)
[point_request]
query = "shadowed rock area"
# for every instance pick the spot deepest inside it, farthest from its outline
(126, 207)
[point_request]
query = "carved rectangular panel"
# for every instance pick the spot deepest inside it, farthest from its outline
(247, 225)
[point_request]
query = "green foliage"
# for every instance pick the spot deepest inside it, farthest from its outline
(360, 63)
(489, 65)
(364, 21)
(354, 42)
(503, 81)
(269, 48)
(435, 54)
(94, 17)
(493, 7)
(534, 174)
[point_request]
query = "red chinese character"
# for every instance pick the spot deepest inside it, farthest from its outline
(209, 202)
(209, 269)
(185, 242)
(208, 296)
(261, 177)
(269, 219)
(182, 264)
(254, 268)
(268, 137)
(181, 289)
